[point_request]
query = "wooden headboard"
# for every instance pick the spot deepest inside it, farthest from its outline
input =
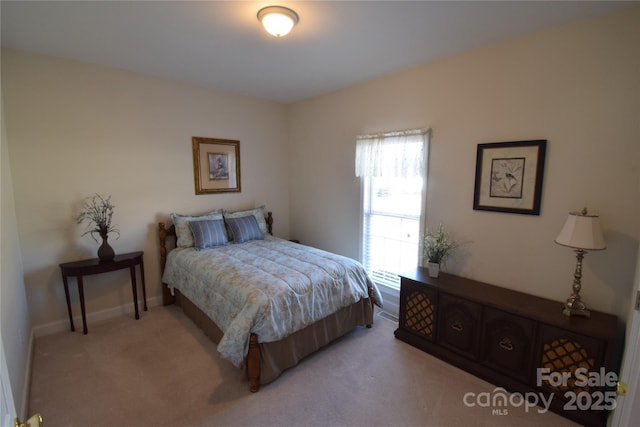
(164, 233)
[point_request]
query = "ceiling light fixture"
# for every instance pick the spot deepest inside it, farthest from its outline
(278, 20)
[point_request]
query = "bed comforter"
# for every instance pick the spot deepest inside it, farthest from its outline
(269, 287)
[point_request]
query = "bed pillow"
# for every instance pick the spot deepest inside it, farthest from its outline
(183, 232)
(244, 229)
(208, 233)
(258, 213)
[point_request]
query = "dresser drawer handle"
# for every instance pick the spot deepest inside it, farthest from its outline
(505, 343)
(457, 326)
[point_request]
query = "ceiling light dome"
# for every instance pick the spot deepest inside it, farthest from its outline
(278, 20)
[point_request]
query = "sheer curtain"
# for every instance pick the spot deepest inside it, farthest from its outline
(392, 168)
(392, 154)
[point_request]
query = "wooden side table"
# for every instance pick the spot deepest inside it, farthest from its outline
(86, 267)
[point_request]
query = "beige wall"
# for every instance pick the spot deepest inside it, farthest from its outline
(577, 86)
(76, 129)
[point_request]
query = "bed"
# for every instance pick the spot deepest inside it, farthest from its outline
(266, 302)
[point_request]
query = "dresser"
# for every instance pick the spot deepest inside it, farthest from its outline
(516, 341)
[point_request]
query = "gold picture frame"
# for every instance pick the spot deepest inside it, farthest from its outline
(216, 165)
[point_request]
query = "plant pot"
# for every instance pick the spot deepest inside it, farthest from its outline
(434, 269)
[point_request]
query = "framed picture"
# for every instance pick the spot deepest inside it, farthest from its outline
(509, 176)
(216, 165)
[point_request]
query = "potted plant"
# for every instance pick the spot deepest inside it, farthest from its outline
(98, 212)
(438, 245)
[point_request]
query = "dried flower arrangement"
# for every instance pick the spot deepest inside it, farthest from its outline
(98, 212)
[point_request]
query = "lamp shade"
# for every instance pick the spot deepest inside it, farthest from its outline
(278, 20)
(582, 231)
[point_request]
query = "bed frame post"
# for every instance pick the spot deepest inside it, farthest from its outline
(270, 222)
(373, 305)
(253, 364)
(167, 298)
(162, 233)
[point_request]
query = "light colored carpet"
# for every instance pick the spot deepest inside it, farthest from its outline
(162, 371)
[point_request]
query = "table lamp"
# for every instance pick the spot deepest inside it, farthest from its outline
(581, 232)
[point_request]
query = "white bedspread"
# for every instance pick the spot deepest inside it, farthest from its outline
(269, 287)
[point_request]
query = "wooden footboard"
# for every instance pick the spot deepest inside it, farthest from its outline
(253, 357)
(253, 364)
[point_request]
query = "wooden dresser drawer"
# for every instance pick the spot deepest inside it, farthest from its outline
(459, 325)
(564, 352)
(508, 343)
(418, 310)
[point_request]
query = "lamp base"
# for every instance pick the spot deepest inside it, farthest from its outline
(575, 307)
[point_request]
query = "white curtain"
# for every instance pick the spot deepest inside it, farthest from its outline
(392, 154)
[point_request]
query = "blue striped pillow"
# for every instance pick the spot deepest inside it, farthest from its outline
(208, 233)
(244, 228)
(183, 232)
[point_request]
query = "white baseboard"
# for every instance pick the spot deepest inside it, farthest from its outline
(63, 325)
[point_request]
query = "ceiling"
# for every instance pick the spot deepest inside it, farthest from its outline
(220, 44)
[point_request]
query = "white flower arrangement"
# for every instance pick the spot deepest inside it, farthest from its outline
(438, 245)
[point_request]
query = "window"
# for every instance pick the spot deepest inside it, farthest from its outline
(392, 167)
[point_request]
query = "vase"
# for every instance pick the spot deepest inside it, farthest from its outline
(434, 269)
(105, 251)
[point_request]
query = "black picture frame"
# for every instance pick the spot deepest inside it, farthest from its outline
(509, 176)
